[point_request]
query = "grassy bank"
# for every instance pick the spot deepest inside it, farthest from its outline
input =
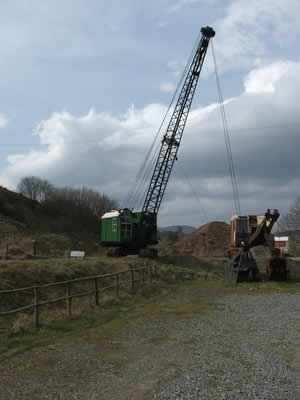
(45, 271)
(163, 299)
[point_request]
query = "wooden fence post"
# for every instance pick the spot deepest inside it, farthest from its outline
(36, 314)
(96, 292)
(132, 279)
(145, 274)
(69, 298)
(34, 248)
(117, 285)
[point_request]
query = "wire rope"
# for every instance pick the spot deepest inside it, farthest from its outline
(143, 180)
(226, 136)
(140, 177)
(194, 192)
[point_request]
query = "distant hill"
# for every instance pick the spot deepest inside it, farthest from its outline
(176, 228)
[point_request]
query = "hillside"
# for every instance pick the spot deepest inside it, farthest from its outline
(56, 226)
(178, 228)
(57, 215)
(16, 209)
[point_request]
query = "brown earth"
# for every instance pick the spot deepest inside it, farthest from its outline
(210, 240)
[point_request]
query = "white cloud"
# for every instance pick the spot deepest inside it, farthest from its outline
(252, 30)
(105, 151)
(3, 121)
(264, 79)
(167, 87)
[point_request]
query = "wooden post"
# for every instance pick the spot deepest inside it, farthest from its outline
(36, 315)
(34, 248)
(69, 299)
(150, 273)
(132, 279)
(143, 275)
(6, 255)
(96, 292)
(117, 285)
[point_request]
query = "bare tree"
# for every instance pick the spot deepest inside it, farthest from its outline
(90, 199)
(291, 220)
(35, 188)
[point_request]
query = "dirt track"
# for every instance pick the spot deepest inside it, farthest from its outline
(196, 345)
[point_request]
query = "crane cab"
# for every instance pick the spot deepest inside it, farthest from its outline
(243, 226)
(116, 226)
(128, 229)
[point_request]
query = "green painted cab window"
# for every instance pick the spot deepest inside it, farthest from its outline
(114, 224)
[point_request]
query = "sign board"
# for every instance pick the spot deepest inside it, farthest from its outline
(281, 238)
(75, 253)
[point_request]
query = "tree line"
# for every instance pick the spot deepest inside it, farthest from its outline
(291, 220)
(64, 209)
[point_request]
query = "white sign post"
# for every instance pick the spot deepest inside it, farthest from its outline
(78, 254)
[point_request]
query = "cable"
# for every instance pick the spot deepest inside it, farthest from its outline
(196, 195)
(140, 177)
(226, 136)
(138, 191)
(141, 169)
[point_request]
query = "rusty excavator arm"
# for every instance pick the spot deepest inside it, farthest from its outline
(243, 265)
(262, 236)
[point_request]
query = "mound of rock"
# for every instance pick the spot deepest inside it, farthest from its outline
(210, 240)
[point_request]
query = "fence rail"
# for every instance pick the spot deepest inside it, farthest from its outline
(141, 274)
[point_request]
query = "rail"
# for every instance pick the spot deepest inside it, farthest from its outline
(130, 277)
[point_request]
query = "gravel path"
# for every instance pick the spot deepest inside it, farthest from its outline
(241, 347)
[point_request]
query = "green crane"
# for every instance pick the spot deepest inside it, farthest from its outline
(130, 231)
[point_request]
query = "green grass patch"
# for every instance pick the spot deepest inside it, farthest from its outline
(169, 301)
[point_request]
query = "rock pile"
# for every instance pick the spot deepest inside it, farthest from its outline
(210, 240)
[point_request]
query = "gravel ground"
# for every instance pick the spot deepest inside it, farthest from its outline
(241, 347)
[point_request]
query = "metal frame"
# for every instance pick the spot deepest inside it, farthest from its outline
(172, 138)
(245, 258)
(262, 236)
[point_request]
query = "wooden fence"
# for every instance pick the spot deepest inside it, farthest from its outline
(120, 279)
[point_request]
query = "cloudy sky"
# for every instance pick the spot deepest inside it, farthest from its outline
(84, 85)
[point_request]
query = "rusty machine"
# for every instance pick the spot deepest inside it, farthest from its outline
(248, 232)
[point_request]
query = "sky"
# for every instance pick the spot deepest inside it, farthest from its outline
(85, 84)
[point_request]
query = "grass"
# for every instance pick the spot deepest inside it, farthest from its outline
(22, 273)
(105, 320)
(29, 273)
(185, 296)
(168, 301)
(16, 333)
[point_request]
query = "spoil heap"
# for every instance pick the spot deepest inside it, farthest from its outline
(210, 240)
